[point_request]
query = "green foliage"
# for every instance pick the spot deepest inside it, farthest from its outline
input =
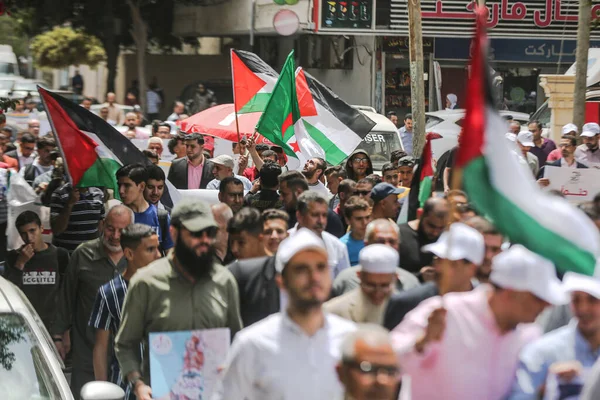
(64, 46)
(11, 34)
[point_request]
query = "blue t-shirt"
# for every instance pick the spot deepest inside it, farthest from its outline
(150, 217)
(354, 247)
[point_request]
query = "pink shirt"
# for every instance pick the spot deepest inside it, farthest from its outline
(554, 155)
(194, 175)
(472, 361)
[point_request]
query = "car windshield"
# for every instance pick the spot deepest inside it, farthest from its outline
(27, 86)
(6, 84)
(24, 372)
(379, 145)
(431, 121)
(543, 114)
(8, 68)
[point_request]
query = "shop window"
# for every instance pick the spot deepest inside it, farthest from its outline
(326, 52)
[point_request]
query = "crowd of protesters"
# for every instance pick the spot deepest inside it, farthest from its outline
(325, 293)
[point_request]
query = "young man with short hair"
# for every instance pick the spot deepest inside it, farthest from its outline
(193, 171)
(246, 234)
(155, 187)
(37, 268)
(25, 152)
(231, 192)
(335, 175)
(140, 247)
(176, 146)
(406, 134)
(267, 197)
(275, 225)
(390, 174)
(313, 170)
(132, 184)
(43, 162)
(358, 215)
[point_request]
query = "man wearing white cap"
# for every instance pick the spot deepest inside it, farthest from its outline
(567, 349)
(467, 345)
(291, 355)
(525, 143)
(378, 273)
(567, 147)
(587, 153)
(222, 168)
(459, 252)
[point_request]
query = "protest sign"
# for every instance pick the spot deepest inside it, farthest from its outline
(186, 364)
(578, 185)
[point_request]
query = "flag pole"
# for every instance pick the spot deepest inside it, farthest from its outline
(55, 134)
(237, 123)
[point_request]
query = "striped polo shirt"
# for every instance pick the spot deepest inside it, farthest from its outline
(85, 215)
(106, 315)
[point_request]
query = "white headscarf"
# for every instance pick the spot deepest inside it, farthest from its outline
(451, 97)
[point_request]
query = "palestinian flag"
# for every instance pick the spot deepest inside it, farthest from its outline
(420, 188)
(504, 189)
(92, 149)
(307, 120)
(253, 82)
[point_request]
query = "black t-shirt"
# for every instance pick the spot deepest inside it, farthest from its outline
(40, 279)
(411, 257)
(263, 200)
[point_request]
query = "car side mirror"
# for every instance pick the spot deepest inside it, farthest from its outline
(100, 390)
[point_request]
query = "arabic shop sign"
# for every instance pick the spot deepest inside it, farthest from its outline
(508, 19)
(512, 50)
(347, 14)
(397, 44)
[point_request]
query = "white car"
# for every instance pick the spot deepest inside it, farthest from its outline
(448, 124)
(30, 367)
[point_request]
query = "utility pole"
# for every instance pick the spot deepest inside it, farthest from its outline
(417, 84)
(581, 60)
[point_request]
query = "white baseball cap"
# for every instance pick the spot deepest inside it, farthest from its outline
(590, 129)
(460, 242)
(574, 282)
(224, 160)
(522, 270)
(510, 136)
(526, 138)
(568, 128)
(303, 239)
(379, 259)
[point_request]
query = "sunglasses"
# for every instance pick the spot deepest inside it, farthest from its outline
(363, 192)
(210, 232)
(360, 160)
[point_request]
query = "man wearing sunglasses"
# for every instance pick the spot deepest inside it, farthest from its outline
(187, 290)
(369, 368)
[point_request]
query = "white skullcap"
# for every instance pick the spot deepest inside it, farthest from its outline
(379, 259)
(303, 239)
(574, 282)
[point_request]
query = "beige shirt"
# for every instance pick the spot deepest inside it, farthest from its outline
(115, 113)
(357, 307)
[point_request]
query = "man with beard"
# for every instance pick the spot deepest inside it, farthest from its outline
(567, 147)
(493, 245)
(587, 153)
(420, 232)
(187, 290)
(313, 171)
(92, 264)
(193, 171)
(292, 354)
(131, 130)
(291, 185)
(369, 367)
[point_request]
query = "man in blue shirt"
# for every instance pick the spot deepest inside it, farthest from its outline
(358, 215)
(132, 182)
(557, 350)
(406, 134)
(140, 248)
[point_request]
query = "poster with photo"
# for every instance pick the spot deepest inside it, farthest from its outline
(184, 365)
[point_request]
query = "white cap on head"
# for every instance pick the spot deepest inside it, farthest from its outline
(526, 138)
(522, 270)
(510, 136)
(590, 129)
(568, 128)
(574, 282)
(460, 242)
(378, 259)
(303, 239)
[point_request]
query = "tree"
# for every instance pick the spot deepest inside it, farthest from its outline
(11, 35)
(64, 46)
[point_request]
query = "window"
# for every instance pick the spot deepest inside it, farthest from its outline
(379, 146)
(24, 372)
(431, 121)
